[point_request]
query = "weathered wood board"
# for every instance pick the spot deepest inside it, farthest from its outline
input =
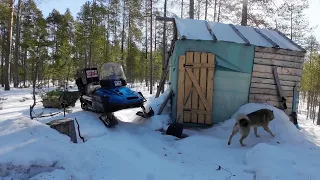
(288, 111)
(64, 126)
(280, 70)
(272, 81)
(279, 51)
(269, 92)
(188, 85)
(281, 77)
(180, 98)
(278, 57)
(274, 103)
(269, 97)
(263, 87)
(210, 80)
(203, 84)
(195, 97)
(270, 86)
(279, 63)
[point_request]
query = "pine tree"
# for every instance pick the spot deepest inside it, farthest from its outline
(8, 50)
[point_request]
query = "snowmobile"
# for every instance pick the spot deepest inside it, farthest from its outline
(108, 93)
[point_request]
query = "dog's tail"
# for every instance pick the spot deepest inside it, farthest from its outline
(243, 120)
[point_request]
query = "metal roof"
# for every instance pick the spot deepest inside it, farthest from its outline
(214, 31)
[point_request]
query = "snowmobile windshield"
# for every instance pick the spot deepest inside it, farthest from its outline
(112, 71)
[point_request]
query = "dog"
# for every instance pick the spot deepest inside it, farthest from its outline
(255, 119)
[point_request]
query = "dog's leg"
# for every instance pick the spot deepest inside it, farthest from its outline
(242, 138)
(235, 130)
(256, 131)
(266, 128)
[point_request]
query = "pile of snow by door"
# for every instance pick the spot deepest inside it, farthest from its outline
(289, 155)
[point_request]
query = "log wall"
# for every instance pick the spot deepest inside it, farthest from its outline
(263, 87)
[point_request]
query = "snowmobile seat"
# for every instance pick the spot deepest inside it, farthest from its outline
(92, 87)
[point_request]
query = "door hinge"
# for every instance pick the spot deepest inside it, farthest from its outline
(184, 65)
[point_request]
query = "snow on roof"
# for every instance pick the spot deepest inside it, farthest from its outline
(205, 30)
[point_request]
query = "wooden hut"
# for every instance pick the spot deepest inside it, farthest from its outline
(215, 68)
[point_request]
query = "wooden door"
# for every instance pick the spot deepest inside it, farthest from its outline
(195, 88)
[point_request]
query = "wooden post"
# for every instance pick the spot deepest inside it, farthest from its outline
(64, 126)
(165, 70)
(282, 98)
(163, 105)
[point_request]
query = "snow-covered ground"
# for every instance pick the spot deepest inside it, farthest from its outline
(135, 149)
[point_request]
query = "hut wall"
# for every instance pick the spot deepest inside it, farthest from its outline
(231, 87)
(263, 87)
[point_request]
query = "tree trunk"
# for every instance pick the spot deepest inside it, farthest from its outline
(315, 102)
(16, 47)
(108, 27)
(206, 11)
(151, 75)
(219, 11)
(155, 50)
(215, 11)
(122, 35)
(198, 10)
(25, 68)
(2, 56)
(146, 54)
(244, 17)
(191, 9)
(318, 120)
(164, 43)
(308, 104)
(129, 63)
(291, 18)
(2, 68)
(181, 8)
(9, 39)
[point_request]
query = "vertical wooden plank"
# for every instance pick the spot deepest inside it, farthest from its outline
(180, 98)
(210, 82)
(195, 96)
(203, 85)
(187, 89)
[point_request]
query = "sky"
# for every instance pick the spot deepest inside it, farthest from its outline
(46, 6)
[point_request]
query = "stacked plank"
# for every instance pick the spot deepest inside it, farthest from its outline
(263, 87)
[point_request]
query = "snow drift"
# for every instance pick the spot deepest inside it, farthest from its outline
(290, 155)
(136, 150)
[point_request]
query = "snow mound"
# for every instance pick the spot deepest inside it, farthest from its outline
(270, 162)
(284, 156)
(281, 125)
(158, 122)
(56, 174)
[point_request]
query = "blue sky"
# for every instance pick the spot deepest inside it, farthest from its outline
(46, 7)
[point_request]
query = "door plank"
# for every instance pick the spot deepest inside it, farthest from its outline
(210, 80)
(195, 97)
(180, 98)
(188, 85)
(203, 85)
(198, 90)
